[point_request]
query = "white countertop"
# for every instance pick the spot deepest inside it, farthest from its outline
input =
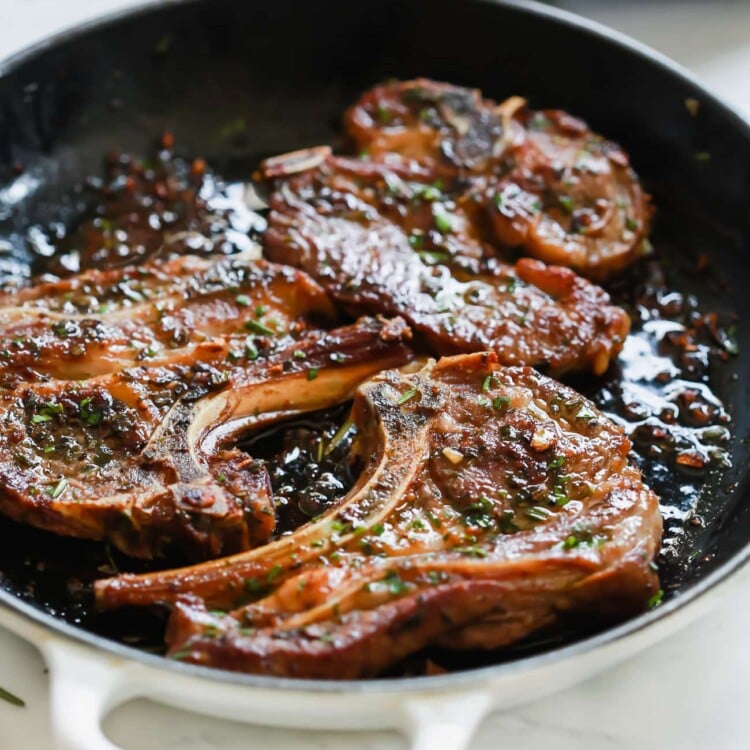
(690, 692)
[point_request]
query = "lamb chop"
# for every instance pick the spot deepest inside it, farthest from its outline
(104, 321)
(546, 183)
(382, 240)
(493, 502)
(122, 388)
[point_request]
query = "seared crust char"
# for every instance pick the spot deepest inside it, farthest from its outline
(114, 381)
(100, 322)
(547, 183)
(493, 502)
(387, 242)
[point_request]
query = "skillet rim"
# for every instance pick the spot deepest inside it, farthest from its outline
(610, 636)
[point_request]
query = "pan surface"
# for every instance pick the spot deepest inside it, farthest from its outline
(285, 71)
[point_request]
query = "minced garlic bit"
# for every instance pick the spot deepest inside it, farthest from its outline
(543, 439)
(454, 456)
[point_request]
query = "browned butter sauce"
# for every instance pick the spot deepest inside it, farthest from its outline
(660, 391)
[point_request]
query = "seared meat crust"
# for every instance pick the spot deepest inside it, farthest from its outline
(385, 241)
(493, 502)
(547, 183)
(120, 390)
(104, 321)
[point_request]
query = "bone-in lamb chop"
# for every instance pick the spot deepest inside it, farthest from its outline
(493, 502)
(382, 240)
(122, 389)
(544, 181)
(104, 321)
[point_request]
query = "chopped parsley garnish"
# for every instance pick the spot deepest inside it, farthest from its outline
(89, 416)
(46, 413)
(481, 503)
(566, 202)
(656, 599)
(433, 257)
(416, 240)
(407, 396)
(428, 192)
(340, 434)
(274, 573)
(250, 351)
(179, 655)
(538, 513)
(58, 489)
(312, 373)
(394, 582)
(63, 328)
(443, 219)
(253, 586)
(257, 327)
(559, 498)
(631, 224)
(479, 518)
(582, 536)
(473, 551)
(14, 700)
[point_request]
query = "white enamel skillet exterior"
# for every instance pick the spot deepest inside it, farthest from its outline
(90, 675)
(89, 679)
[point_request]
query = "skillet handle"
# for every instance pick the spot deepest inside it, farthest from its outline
(83, 689)
(448, 722)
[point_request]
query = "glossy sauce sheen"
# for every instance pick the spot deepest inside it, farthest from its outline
(659, 391)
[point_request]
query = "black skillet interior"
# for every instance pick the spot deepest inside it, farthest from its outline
(286, 70)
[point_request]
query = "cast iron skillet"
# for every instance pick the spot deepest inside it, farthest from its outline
(289, 68)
